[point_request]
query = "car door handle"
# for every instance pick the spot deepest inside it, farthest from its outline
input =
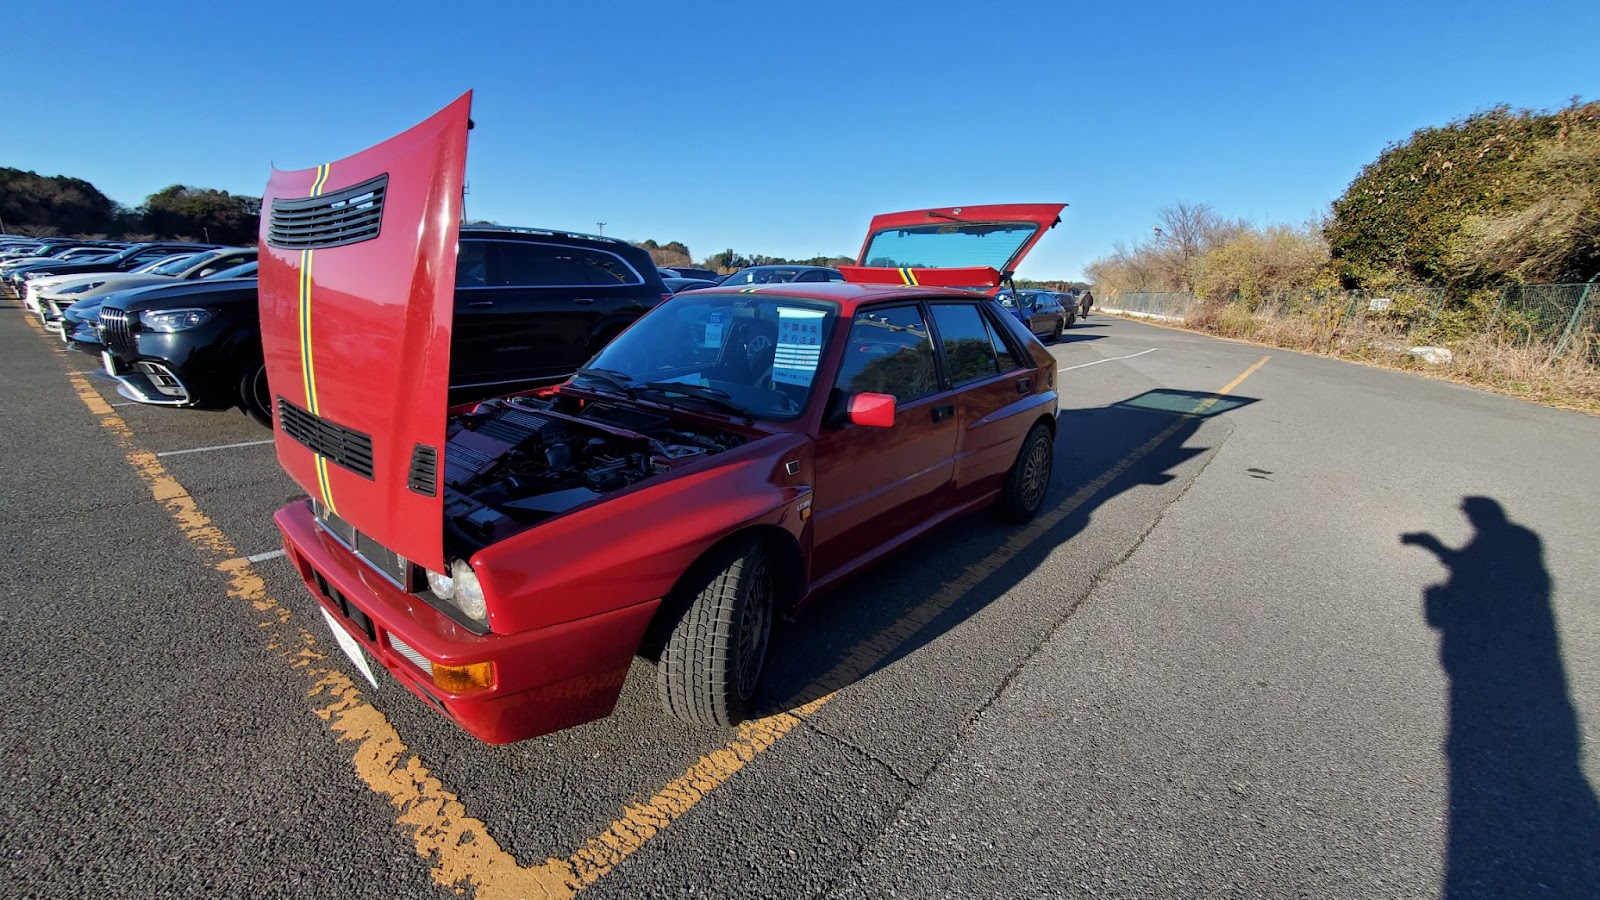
(481, 304)
(1024, 385)
(584, 301)
(940, 413)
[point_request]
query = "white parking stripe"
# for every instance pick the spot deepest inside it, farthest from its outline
(263, 557)
(1112, 359)
(127, 403)
(217, 447)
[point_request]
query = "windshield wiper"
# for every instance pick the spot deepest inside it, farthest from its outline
(612, 377)
(699, 392)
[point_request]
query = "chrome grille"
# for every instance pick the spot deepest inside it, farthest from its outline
(406, 650)
(114, 330)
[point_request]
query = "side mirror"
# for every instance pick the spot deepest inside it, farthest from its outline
(872, 410)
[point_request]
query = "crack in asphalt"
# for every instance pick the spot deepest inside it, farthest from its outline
(842, 741)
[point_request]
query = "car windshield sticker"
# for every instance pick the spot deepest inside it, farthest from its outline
(714, 323)
(799, 345)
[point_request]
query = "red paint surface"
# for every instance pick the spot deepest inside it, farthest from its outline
(380, 328)
(872, 410)
(1044, 215)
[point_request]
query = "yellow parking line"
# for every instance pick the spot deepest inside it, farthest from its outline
(463, 852)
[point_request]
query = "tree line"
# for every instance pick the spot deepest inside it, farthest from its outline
(1498, 197)
(48, 205)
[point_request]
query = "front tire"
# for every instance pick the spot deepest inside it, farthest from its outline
(255, 398)
(711, 663)
(1029, 478)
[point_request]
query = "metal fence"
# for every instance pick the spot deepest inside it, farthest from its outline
(1556, 318)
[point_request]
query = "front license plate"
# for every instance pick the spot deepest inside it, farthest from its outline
(109, 361)
(349, 646)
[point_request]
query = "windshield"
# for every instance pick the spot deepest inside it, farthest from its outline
(763, 275)
(246, 270)
(171, 265)
(757, 352)
(948, 245)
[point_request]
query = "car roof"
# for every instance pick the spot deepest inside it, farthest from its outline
(849, 296)
(512, 231)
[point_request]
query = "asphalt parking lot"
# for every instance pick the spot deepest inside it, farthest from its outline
(1211, 668)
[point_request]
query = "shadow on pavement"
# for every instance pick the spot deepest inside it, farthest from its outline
(1072, 337)
(915, 595)
(1523, 819)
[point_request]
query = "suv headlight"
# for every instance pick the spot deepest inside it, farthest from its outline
(460, 588)
(170, 320)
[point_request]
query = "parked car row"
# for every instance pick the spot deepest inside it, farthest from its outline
(528, 461)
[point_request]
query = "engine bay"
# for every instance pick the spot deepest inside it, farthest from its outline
(513, 463)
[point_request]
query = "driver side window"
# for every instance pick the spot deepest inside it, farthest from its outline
(889, 352)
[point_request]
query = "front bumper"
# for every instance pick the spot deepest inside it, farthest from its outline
(146, 381)
(545, 680)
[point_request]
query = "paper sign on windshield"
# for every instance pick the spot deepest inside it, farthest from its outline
(799, 345)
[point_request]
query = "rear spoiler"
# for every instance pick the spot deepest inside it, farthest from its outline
(969, 277)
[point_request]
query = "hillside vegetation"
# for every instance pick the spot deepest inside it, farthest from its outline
(49, 205)
(1499, 196)
(1482, 235)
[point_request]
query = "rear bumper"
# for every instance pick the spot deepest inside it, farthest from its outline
(545, 680)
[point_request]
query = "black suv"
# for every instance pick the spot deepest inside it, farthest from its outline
(531, 306)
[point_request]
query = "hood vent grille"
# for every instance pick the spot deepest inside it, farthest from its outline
(347, 216)
(345, 447)
(423, 477)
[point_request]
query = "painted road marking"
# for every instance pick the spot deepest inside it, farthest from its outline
(1099, 361)
(216, 447)
(263, 557)
(463, 852)
(126, 403)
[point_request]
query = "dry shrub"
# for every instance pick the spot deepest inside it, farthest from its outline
(1501, 362)
(1527, 370)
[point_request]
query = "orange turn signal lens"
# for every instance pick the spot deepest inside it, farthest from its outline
(463, 679)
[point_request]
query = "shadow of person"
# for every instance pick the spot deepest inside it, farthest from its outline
(1523, 818)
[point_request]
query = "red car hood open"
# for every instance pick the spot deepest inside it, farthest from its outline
(357, 285)
(957, 246)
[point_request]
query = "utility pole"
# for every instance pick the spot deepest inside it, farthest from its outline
(602, 227)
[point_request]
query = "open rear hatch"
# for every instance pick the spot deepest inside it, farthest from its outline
(357, 285)
(959, 246)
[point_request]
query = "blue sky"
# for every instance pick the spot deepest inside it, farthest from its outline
(781, 128)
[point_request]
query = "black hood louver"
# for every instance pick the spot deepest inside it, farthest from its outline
(423, 475)
(346, 216)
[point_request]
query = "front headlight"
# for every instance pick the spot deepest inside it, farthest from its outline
(35, 276)
(170, 320)
(461, 589)
(81, 288)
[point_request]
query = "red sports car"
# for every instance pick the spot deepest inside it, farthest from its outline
(732, 454)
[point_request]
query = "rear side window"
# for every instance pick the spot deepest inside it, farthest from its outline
(1006, 351)
(968, 346)
(472, 264)
(889, 352)
(541, 265)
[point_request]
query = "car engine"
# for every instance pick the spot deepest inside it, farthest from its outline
(510, 464)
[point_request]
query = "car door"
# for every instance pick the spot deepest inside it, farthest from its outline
(991, 380)
(874, 485)
(537, 311)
